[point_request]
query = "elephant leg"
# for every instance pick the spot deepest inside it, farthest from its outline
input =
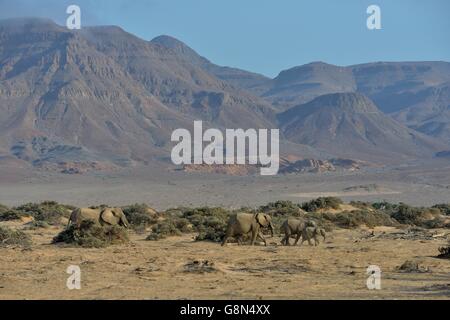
(285, 240)
(224, 242)
(297, 238)
(225, 239)
(261, 237)
(254, 236)
(309, 242)
(316, 241)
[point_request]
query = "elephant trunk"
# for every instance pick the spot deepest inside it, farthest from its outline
(125, 222)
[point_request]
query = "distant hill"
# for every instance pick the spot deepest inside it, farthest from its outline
(429, 112)
(391, 85)
(350, 125)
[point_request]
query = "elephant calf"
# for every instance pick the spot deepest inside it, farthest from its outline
(244, 223)
(295, 227)
(101, 216)
(313, 233)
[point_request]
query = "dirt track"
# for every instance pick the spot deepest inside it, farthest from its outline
(166, 269)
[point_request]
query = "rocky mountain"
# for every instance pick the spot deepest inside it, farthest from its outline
(429, 112)
(237, 77)
(391, 85)
(101, 97)
(304, 83)
(350, 124)
(101, 93)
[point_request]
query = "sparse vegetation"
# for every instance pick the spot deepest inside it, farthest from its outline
(357, 218)
(282, 208)
(12, 214)
(444, 252)
(170, 227)
(90, 235)
(34, 225)
(49, 211)
(3, 208)
(444, 208)
(322, 203)
(209, 223)
(10, 237)
(422, 217)
(140, 216)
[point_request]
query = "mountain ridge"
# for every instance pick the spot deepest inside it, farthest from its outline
(103, 94)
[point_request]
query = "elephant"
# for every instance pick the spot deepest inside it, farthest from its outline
(100, 216)
(243, 223)
(313, 233)
(295, 227)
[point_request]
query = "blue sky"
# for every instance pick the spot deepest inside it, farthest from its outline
(267, 36)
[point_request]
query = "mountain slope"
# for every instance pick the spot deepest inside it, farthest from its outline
(391, 85)
(103, 94)
(304, 83)
(350, 125)
(429, 113)
(179, 83)
(62, 98)
(237, 77)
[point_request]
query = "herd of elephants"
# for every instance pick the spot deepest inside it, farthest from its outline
(239, 225)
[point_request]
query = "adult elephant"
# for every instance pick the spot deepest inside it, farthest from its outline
(244, 223)
(295, 227)
(100, 216)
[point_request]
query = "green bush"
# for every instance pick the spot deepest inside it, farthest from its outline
(9, 237)
(3, 208)
(90, 235)
(138, 216)
(167, 228)
(444, 208)
(209, 223)
(49, 211)
(411, 215)
(34, 225)
(356, 218)
(282, 208)
(322, 203)
(385, 206)
(12, 214)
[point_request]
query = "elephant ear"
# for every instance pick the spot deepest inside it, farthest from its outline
(109, 217)
(261, 219)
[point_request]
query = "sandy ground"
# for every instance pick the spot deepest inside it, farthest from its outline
(162, 270)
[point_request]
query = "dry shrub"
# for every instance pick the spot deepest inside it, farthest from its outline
(282, 208)
(90, 235)
(322, 203)
(209, 223)
(444, 252)
(50, 212)
(10, 237)
(356, 218)
(139, 217)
